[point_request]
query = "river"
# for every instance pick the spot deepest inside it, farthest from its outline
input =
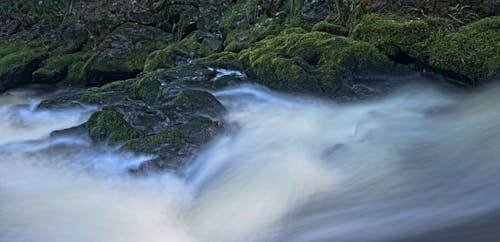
(421, 164)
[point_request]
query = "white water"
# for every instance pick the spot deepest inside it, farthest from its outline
(290, 169)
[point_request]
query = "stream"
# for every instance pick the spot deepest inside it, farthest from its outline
(419, 165)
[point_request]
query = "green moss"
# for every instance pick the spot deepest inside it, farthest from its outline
(210, 46)
(224, 60)
(314, 61)
(238, 39)
(147, 88)
(197, 102)
(473, 53)
(236, 46)
(174, 54)
(108, 93)
(400, 38)
(335, 29)
(15, 58)
(56, 67)
(109, 125)
(76, 71)
(174, 138)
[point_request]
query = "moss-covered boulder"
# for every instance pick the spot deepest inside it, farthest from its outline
(241, 38)
(329, 26)
(471, 54)
(194, 102)
(109, 125)
(17, 63)
(122, 53)
(401, 38)
(195, 45)
(314, 62)
(176, 146)
(58, 67)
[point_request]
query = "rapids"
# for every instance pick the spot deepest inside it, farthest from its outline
(289, 168)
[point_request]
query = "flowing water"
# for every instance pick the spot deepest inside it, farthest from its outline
(290, 169)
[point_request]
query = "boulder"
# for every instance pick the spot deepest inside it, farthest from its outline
(122, 53)
(403, 39)
(314, 62)
(472, 54)
(17, 63)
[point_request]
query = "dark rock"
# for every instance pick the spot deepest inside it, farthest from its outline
(122, 53)
(17, 62)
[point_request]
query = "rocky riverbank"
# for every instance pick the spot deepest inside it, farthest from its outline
(150, 65)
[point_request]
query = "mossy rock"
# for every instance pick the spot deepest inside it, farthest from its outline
(17, 63)
(122, 54)
(195, 45)
(223, 60)
(107, 94)
(58, 67)
(471, 54)
(148, 87)
(330, 28)
(109, 125)
(314, 62)
(194, 102)
(239, 39)
(401, 38)
(176, 146)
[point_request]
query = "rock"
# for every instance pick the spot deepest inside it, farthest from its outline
(60, 67)
(122, 53)
(314, 62)
(403, 39)
(472, 54)
(149, 117)
(331, 28)
(109, 125)
(17, 63)
(176, 146)
(197, 44)
(315, 10)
